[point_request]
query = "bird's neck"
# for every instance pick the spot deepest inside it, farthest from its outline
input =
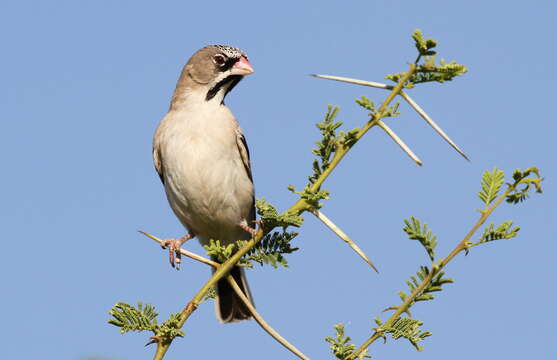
(186, 96)
(188, 90)
(189, 99)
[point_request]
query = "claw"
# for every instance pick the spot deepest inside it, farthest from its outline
(173, 246)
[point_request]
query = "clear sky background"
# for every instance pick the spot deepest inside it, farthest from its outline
(85, 83)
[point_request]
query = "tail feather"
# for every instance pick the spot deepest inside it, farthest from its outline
(228, 306)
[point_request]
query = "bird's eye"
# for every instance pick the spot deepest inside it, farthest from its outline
(219, 60)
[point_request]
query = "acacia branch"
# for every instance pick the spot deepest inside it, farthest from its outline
(436, 268)
(258, 318)
(299, 207)
(408, 99)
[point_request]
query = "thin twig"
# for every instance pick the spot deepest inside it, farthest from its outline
(264, 325)
(343, 236)
(406, 97)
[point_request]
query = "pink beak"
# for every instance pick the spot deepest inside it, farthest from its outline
(242, 67)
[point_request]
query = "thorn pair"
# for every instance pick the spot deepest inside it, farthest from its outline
(411, 102)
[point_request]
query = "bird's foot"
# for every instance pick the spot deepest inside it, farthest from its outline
(244, 225)
(173, 246)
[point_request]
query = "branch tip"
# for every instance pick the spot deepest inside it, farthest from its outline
(407, 98)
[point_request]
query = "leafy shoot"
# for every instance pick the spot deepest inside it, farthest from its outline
(417, 231)
(341, 346)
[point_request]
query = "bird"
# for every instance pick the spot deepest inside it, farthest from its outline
(202, 158)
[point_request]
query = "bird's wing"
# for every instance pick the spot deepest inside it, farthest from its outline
(244, 151)
(244, 154)
(157, 161)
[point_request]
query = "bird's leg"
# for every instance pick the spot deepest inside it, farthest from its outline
(244, 225)
(174, 246)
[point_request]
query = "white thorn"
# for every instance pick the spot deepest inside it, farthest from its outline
(343, 236)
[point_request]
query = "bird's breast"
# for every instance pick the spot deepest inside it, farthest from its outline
(205, 180)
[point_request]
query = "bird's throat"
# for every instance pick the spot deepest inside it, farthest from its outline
(223, 87)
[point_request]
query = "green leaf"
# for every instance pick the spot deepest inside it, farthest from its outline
(416, 231)
(340, 345)
(349, 138)
(270, 250)
(219, 252)
(129, 318)
(143, 317)
(391, 111)
(407, 328)
(366, 104)
(523, 182)
(326, 147)
(211, 294)
(270, 216)
(169, 329)
(423, 45)
(491, 184)
(312, 197)
(503, 231)
(431, 72)
(436, 284)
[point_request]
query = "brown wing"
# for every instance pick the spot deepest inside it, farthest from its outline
(244, 153)
(157, 161)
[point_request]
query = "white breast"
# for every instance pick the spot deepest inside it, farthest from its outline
(205, 180)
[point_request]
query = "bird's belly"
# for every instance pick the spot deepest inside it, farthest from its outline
(210, 191)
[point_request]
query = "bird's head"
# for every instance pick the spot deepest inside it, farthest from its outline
(215, 70)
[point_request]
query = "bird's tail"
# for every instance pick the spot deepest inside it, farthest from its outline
(228, 306)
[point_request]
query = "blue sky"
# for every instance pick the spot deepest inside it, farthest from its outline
(84, 85)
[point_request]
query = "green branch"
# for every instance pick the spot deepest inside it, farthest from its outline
(302, 205)
(298, 208)
(522, 183)
(333, 147)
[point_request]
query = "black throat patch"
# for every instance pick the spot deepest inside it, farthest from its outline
(227, 84)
